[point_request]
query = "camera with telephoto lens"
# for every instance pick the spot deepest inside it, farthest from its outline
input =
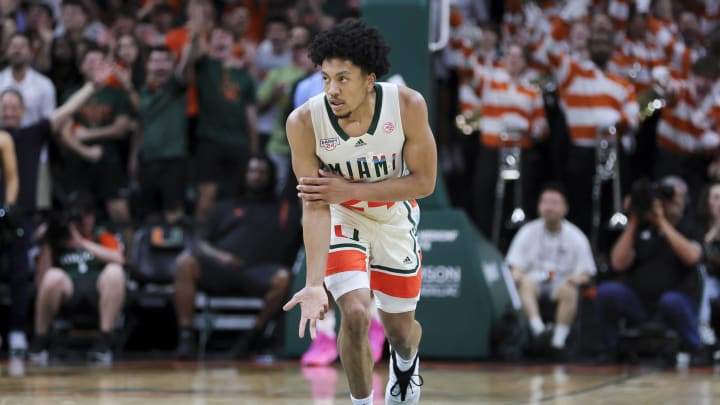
(644, 192)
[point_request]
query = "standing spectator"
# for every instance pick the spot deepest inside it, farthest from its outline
(29, 142)
(40, 31)
(64, 74)
(509, 105)
(549, 259)
(658, 255)
(75, 24)
(273, 52)
(37, 90)
(161, 23)
(277, 89)
(687, 133)
(159, 154)
(593, 99)
(17, 338)
(79, 263)
(102, 121)
(227, 116)
(231, 256)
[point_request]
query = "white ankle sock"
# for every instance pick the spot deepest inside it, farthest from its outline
(559, 335)
(403, 364)
(362, 401)
(536, 325)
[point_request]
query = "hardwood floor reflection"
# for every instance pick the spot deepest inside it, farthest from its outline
(162, 382)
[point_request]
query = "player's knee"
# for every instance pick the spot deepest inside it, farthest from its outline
(356, 319)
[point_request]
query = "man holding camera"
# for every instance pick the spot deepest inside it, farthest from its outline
(657, 257)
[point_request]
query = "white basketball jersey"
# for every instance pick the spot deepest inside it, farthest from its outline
(373, 156)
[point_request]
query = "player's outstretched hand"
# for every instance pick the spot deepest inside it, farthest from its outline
(328, 188)
(313, 306)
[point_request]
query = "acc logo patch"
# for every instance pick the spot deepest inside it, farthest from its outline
(329, 143)
(388, 127)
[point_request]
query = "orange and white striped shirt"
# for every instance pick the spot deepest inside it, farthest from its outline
(634, 60)
(591, 98)
(673, 52)
(506, 105)
(687, 119)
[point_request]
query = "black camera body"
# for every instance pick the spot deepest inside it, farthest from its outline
(644, 192)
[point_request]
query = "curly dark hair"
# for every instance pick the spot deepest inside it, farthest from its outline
(352, 39)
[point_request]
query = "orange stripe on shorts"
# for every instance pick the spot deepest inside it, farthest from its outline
(345, 260)
(396, 286)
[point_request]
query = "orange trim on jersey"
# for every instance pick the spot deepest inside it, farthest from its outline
(346, 260)
(375, 204)
(107, 240)
(397, 286)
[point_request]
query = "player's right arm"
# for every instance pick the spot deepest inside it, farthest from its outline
(315, 221)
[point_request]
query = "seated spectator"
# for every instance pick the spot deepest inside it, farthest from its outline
(238, 252)
(100, 125)
(28, 142)
(79, 267)
(657, 257)
(550, 258)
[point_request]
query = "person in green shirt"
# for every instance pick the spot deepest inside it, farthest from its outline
(158, 157)
(277, 88)
(101, 124)
(79, 266)
(226, 123)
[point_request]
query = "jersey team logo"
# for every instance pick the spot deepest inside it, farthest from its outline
(329, 143)
(388, 127)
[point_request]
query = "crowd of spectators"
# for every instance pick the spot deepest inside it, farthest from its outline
(162, 104)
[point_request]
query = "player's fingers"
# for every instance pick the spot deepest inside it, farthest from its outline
(313, 329)
(301, 330)
(290, 304)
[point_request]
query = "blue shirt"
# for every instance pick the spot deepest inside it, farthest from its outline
(307, 88)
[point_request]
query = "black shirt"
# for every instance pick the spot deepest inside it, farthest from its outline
(252, 231)
(29, 142)
(657, 269)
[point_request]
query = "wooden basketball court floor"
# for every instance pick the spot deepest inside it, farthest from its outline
(284, 382)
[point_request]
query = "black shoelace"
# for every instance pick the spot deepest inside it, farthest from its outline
(405, 379)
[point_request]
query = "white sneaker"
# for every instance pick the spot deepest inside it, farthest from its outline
(39, 358)
(707, 335)
(403, 387)
(17, 343)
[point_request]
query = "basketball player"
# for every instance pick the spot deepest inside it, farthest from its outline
(363, 152)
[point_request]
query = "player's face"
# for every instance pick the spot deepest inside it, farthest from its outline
(346, 85)
(552, 206)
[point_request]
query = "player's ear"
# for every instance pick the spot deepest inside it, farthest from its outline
(371, 78)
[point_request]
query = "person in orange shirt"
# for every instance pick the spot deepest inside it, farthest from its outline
(201, 13)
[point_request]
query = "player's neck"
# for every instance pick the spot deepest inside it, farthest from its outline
(363, 113)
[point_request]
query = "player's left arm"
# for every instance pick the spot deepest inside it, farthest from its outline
(419, 153)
